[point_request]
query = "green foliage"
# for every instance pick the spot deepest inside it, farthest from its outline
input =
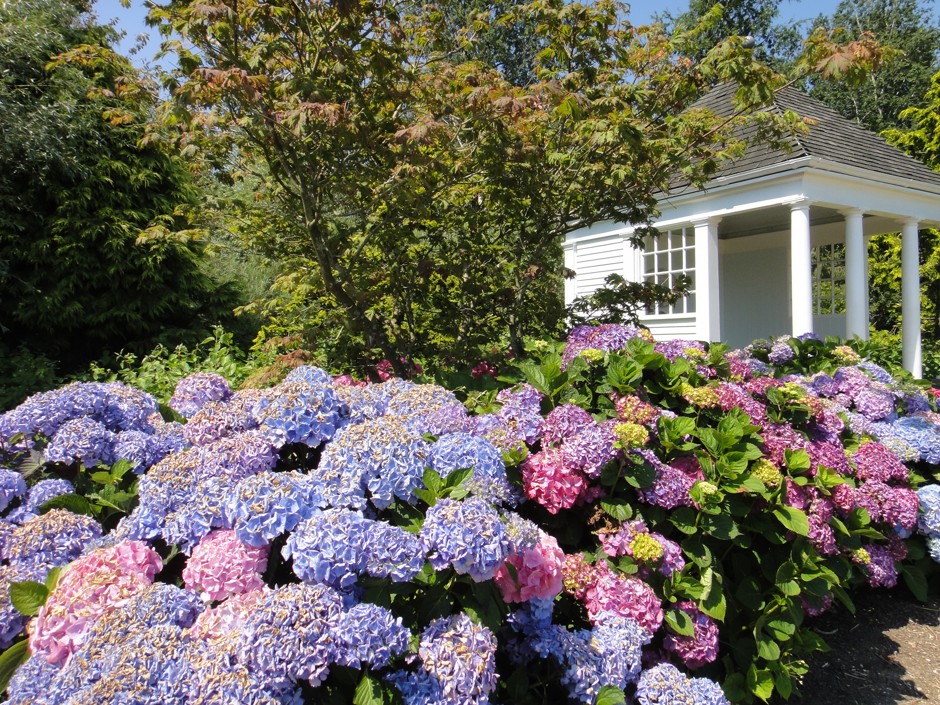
(158, 371)
(95, 253)
(620, 301)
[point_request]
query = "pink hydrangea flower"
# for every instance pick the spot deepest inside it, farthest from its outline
(221, 565)
(625, 595)
(228, 617)
(90, 587)
(550, 482)
(536, 572)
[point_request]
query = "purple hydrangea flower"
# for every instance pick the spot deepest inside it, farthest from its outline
(328, 547)
(289, 636)
(217, 419)
(391, 552)
(196, 390)
(456, 451)
(12, 486)
(467, 535)
(429, 408)
(699, 648)
(461, 656)
(84, 440)
(50, 540)
(32, 682)
(607, 338)
(671, 487)
(591, 449)
(664, 683)
(369, 635)
(141, 450)
(562, 422)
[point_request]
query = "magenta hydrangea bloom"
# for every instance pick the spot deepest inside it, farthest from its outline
(221, 565)
(550, 482)
(873, 461)
(700, 648)
(562, 422)
(536, 572)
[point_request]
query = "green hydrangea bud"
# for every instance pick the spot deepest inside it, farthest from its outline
(592, 354)
(860, 556)
(703, 397)
(631, 435)
(646, 549)
(845, 355)
(767, 472)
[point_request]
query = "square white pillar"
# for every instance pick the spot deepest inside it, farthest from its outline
(707, 293)
(856, 276)
(801, 270)
(912, 351)
(571, 262)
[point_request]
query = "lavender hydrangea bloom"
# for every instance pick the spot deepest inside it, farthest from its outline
(196, 390)
(12, 621)
(522, 533)
(874, 404)
(209, 509)
(267, 505)
(32, 682)
(161, 605)
(467, 535)
(83, 440)
(298, 412)
(239, 455)
(384, 457)
(429, 408)
(671, 487)
(12, 486)
(564, 421)
(928, 520)
(44, 490)
(140, 449)
(672, 350)
(219, 419)
(218, 680)
(707, 692)
(591, 449)
(609, 338)
(780, 351)
(369, 635)
(607, 655)
(921, 434)
(289, 636)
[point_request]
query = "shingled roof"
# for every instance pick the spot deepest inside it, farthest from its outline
(830, 138)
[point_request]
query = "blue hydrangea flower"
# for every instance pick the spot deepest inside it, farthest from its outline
(239, 455)
(456, 451)
(12, 621)
(44, 490)
(289, 636)
(707, 692)
(84, 440)
(32, 682)
(461, 656)
(298, 412)
(369, 635)
(12, 486)
(267, 505)
(209, 509)
(163, 604)
(314, 376)
(383, 459)
(218, 680)
(140, 449)
(522, 533)
(467, 535)
(196, 390)
(664, 683)
(328, 547)
(391, 552)
(217, 419)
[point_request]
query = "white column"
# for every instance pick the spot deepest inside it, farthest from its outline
(856, 278)
(571, 262)
(910, 299)
(707, 293)
(801, 270)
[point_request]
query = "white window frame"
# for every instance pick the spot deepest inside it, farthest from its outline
(828, 279)
(662, 259)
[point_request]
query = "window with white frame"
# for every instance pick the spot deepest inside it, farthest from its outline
(829, 279)
(666, 256)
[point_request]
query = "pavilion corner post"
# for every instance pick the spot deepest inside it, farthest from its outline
(912, 351)
(856, 276)
(801, 269)
(707, 292)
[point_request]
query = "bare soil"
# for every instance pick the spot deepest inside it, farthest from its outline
(888, 653)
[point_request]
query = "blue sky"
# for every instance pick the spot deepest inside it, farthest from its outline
(131, 20)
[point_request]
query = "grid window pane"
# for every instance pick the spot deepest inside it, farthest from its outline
(666, 256)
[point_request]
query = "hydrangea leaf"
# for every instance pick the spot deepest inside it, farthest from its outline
(369, 691)
(794, 519)
(10, 660)
(73, 502)
(28, 596)
(610, 695)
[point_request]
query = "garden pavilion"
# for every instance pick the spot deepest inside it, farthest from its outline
(777, 241)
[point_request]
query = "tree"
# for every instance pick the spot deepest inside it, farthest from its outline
(90, 219)
(427, 194)
(907, 25)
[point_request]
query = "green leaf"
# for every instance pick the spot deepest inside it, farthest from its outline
(610, 695)
(121, 468)
(432, 480)
(28, 596)
(457, 477)
(797, 460)
(102, 477)
(73, 502)
(684, 519)
(794, 519)
(768, 649)
(916, 581)
(369, 691)
(680, 622)
(10, 660)
(52, 578)
(760, 682)
(618, 509)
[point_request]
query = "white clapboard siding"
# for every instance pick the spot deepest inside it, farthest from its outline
(593, 261)
(671, 328)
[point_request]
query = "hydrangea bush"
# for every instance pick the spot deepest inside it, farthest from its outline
(635, 522)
